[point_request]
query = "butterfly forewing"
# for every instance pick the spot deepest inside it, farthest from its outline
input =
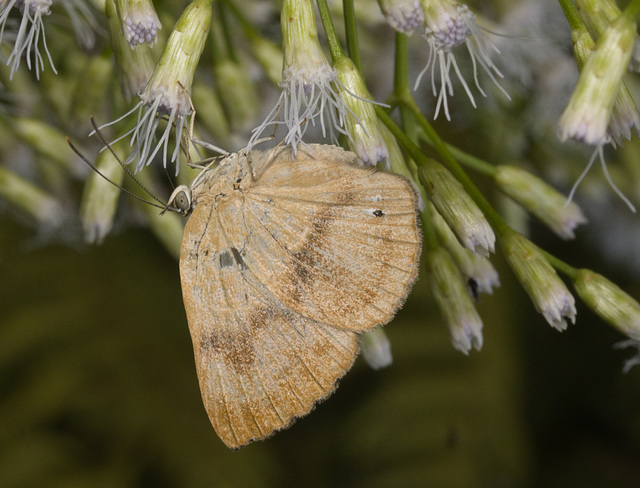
(282, 265)
(350, 237)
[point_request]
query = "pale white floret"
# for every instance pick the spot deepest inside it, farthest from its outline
(376, 348)
(452, 26)
(402, 15)
(141, 30)
(28, 34)
(309, 96)
(155, 105)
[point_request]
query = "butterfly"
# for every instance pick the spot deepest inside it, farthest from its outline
(284, 261)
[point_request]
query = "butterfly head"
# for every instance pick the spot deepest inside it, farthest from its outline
(180, 200)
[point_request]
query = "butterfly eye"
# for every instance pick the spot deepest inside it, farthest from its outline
(180, 199)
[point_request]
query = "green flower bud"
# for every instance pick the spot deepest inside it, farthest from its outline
(30, 199)
(588, 113)
(481, 276)
(135, 64)
(454, 303)
(548, 293)
(100, 197)
(138, 21)
(609, 302)
(457, 208)
(365, 138)
(539, 198)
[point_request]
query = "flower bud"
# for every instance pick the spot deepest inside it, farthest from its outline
(402, 15)
(365, 138)
(269, 56)
(135, 64)
(539, 198)
(476, 269)
(100, 197)
(597, 15)
(457, 208)
(30, 199)
(138, 21)
(237, 93)
(450, 294)
(376, 348)
(588, 113)
(609, 302)
(548, 293)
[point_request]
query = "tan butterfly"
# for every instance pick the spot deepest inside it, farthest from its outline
(284, 262)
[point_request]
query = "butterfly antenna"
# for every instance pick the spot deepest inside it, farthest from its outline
(91, 165)
(124, 167)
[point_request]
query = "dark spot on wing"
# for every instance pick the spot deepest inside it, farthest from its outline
(237, 350)
(378, 213)
(238, 258)
(226, 259)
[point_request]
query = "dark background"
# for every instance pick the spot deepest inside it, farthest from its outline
(98, 388)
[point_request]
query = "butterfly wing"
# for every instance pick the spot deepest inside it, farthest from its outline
(260, 365)
(278, 278)
(348, 235)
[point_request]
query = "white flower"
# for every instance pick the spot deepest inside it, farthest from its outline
(28, 34)
(402, 15)
(139, 21)
(447, 25)
(309, 96)
(310, 92)
(167, 94)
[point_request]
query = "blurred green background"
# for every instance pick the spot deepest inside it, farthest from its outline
(98, 388)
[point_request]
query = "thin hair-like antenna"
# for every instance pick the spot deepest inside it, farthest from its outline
(90, 164)
(124, 167)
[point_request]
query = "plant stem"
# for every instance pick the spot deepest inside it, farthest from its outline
(351, 30)
(332, 39)
(496, 221)
(572, 14)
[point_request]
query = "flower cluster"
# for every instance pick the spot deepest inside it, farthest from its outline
(206, 65)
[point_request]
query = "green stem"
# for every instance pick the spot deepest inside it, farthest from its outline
(572, 14)
(351, 30)
(332, 39)
(496, 221)
(473, 162)
(560, 265)
(401, 68)
(401, 89)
